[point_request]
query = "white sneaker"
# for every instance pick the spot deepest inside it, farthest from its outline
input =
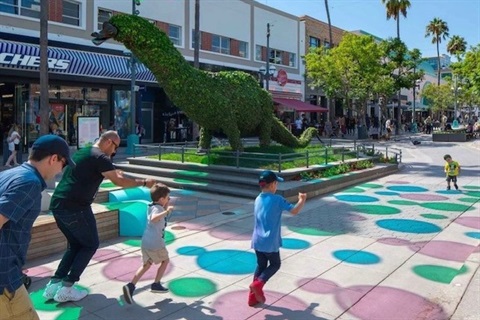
(65, 294)
(51, 289)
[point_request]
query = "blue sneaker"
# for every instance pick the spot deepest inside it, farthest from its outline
(128, 292)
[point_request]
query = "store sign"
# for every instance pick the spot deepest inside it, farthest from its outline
(24, 60)
(282, 77)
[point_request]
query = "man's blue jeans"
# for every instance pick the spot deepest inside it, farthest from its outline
(80, 229)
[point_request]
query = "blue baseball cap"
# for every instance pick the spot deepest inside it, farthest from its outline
(267, 177)
(54, 144)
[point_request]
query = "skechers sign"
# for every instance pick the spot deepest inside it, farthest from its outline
(24, 60)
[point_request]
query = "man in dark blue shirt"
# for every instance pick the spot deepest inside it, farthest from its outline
(20, 200)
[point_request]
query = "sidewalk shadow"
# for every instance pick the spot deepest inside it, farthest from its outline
(288, 314)
(193, 311)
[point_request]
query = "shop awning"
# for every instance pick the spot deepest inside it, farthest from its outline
(299, 106)
(23, 56)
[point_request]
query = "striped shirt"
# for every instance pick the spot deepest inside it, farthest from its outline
(20, 202)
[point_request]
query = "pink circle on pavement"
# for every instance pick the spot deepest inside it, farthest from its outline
(471, 222)
(388, 303)
(445, 250)
(123, 269)
(423, 197)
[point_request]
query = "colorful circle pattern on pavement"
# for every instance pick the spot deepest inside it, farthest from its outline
(355, 198)
(408, 226)
(356, 257)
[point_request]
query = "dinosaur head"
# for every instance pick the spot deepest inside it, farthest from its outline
(108, 31)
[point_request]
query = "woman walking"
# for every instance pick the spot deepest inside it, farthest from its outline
(13, 140)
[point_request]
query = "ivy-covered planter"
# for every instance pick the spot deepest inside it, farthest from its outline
(449, 137)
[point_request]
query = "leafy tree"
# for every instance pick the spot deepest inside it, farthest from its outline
(440, 97)
(395, 8)
(469, 69)
(457, 46)
(399, 65)
(438, 30)
(349, 71)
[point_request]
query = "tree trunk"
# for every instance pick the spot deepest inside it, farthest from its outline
(44, 102)
(398, 27)
(438, 62)
(196, 56)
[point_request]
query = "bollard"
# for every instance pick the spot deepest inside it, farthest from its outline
(279, 162)
(183, 154)
(159, 152)
(306, 155)
(326, 156)
(343, 154)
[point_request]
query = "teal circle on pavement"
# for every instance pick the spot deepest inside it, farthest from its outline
(471, 187)
(356, 256)
(403, 202)
(475, 194)
(294, 244)
(449, 191)
(376, 209)
(387, 193)
(433, 216)
(355, 198)
(408, 226)
(436, 273)
(442, 206)
(407, 189)
(468, 200)
(192, 287)
(311, 231)
(370, 185)
(191, 250)
(228, 261)
(354, 190)
(473, 234)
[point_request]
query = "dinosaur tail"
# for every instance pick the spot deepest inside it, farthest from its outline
(283, 136)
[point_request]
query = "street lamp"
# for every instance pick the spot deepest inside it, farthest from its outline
(265, 75)
(267, 71)
(455, 89)
(414, 118)
(132, 139)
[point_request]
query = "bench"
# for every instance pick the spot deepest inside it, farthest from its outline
(47, 239)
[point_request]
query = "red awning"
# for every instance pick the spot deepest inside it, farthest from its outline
(299, 106)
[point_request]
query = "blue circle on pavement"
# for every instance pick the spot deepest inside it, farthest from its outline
(472, 234)
(289, 243)
(408, 226)
(355, 198)
(449, 191)
(387, 193)
(407, 188)
(356, 256)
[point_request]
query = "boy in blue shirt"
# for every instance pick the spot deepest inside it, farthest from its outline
(266, 239)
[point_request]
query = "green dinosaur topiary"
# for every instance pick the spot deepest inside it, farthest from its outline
(228, 101)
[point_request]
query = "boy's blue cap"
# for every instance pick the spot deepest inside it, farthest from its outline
(54, 144)
(267, 177)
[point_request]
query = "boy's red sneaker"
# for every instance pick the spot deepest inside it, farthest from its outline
(251, 299)
(257, 288)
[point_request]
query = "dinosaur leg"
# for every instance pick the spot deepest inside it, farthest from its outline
(264, 135)
(233, 135)
(205, 139)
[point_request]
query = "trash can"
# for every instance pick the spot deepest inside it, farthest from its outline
(362, 132)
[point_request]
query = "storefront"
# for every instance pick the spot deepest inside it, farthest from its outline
(81, 83)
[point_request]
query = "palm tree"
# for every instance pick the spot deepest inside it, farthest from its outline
(438, 30)
(457, 46)
(44, 105)
(330, 37)
(394, 9)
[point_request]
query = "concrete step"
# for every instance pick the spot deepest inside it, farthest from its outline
(194, 184)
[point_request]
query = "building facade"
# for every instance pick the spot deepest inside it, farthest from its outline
(95, 81)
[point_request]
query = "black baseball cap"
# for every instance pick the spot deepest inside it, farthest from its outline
(267, 177)
(54, 144)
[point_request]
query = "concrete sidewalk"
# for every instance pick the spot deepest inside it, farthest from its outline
(400, 247)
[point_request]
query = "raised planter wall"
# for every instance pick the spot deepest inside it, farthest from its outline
(449, 137)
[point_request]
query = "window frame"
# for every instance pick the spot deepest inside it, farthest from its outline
(221, 42)
(176, 41)
(78, 18)
(100, 24)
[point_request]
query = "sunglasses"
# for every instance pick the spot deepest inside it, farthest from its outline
(63, 160)
(115, 144)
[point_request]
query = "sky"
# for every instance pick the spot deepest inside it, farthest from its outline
(461, 16)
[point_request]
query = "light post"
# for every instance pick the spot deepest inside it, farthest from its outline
(414, 117)
(132, 139)
(267, 71)
(265, 75)
(455, 89)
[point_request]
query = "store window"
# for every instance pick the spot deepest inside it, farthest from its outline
(103, 16)
(71, 13)
(27, 8)
(122, 116)
(243, 49)
(220, 44)
(175, 34)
